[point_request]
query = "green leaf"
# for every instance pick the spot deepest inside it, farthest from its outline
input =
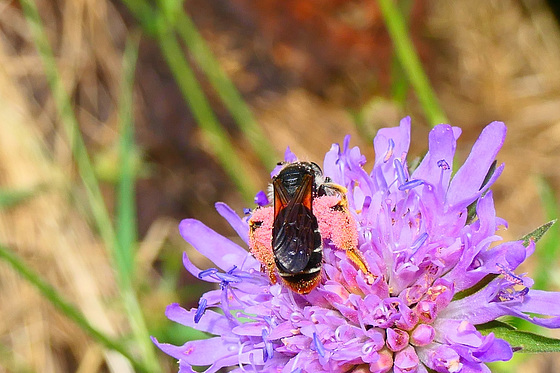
(537, 234)
(520, 341)
(13, 197)
(478, 286)
(471, 209)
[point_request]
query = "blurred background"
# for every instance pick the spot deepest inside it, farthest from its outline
(119, 118)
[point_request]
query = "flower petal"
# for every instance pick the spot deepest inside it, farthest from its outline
(194, 270)
(240, 226)
(442, 148)
(542, 303)
(468, 180)
(211, 322)
(480, 307)
(200, 352)
(185, 368)
(222, 251)
(398, 137)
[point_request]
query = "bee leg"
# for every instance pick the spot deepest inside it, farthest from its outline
(358, 259)
(351, 249)
(332, 189)
(260, 240)
(268, 267)
(271, 271)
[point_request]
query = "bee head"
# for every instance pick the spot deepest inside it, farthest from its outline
(292, 174)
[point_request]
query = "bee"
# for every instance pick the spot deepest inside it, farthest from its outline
(288, 237)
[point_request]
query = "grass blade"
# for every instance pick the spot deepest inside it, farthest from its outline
(65, 307)
(227, 91)
(548, 249)
(211, 130)
(13, 197)
(161, 23)
(87, 174)
(69, 122)
(176, 17)
(126, 223)
(399, 82)
(410, 62)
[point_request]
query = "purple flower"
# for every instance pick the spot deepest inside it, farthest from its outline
(422, 248)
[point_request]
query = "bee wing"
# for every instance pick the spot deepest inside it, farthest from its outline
(295, 227)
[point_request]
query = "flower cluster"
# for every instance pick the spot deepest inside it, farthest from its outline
(414, 311)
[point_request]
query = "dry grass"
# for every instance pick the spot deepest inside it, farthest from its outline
(502, 64)
(50, 230)
(492, 61)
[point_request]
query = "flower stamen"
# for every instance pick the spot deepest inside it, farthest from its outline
(443, 165)
(268, 351)
(400, 172)
(318, 345)
(201, 309)
(389, 152)
(418, 242)
(411, 184)
(509, 275)
(207, 272)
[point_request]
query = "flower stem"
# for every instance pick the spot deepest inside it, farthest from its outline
(410, 62)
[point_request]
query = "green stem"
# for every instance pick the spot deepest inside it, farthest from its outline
(126, 204)
(87, 174)
(410, 62)
(400, 84)
(211, 130)
(160, 22)
(65, 307)
(548, 249)
(224, 87)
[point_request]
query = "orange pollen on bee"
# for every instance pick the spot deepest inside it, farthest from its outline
(335, 222)
(260, 239)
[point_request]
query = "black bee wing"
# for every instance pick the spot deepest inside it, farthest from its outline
(295, 226)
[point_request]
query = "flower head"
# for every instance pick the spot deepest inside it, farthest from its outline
(410, 310)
